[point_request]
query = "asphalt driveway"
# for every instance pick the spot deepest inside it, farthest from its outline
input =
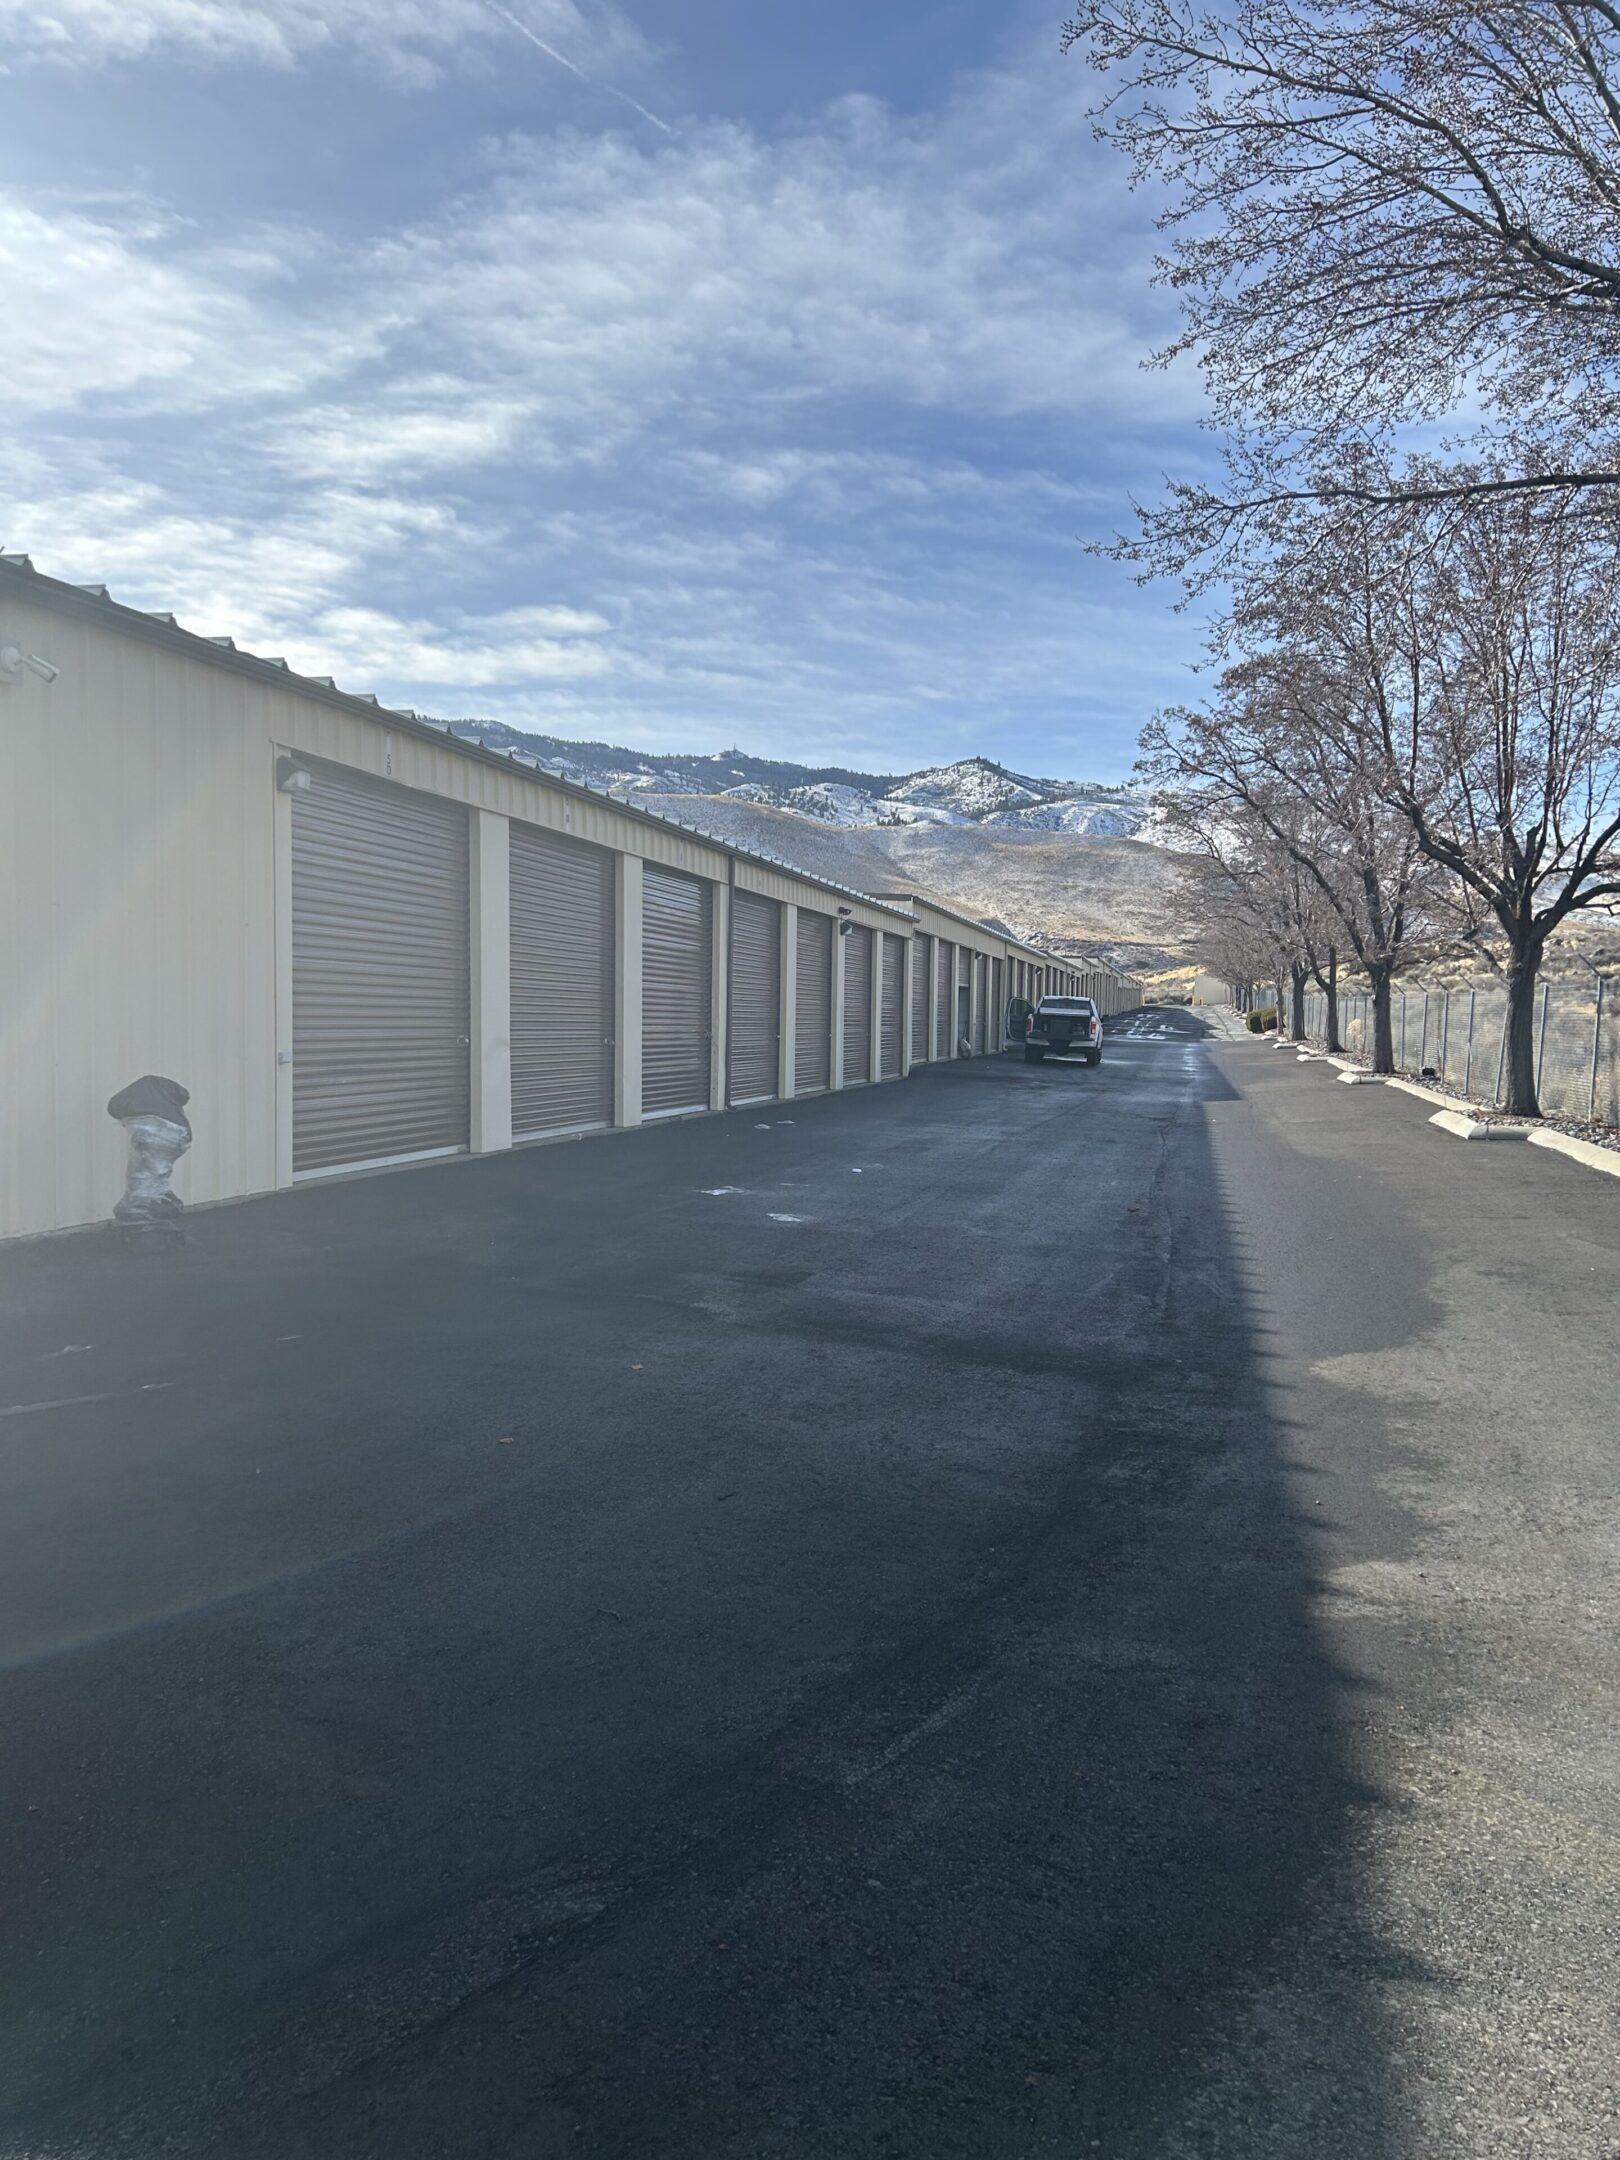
(1033, 1611)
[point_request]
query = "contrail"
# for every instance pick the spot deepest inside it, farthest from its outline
(563, 61)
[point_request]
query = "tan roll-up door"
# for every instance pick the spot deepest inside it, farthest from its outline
(998, 1005)
(919, 999)
(981, 1017)
(562, 984)
(857, 1007)
(380, 974)
(812, 1018)
(677, 991)
(754, 1000)
(944, 998)
(891, 1013)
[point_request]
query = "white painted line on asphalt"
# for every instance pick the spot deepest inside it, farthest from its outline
(718, 1192)
(69, 1402)
(789, 1218)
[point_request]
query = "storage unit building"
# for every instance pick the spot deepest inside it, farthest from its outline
(365, 940)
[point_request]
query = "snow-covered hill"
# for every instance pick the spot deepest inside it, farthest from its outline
(972, 791)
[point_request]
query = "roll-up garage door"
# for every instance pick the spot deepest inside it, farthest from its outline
(381, 998)
(945, 998)
(919, 1000)
(857, 1007)
(677, 991)
(754, 1002)
(562, 983)
(812, 1019)
(892, 1012)
(981, 1015)
(998, 1006)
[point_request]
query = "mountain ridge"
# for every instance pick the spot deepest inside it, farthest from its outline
(967, 791)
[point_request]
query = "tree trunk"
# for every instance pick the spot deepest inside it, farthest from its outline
(1519, 1063)
(1297, 978)
(1383, 1022)
(1330, 984)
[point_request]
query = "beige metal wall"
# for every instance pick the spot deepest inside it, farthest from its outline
(137, 839)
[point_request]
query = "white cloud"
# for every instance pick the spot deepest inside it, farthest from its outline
(787, 437)
(407, 434)
(110, 303)
(413, 42)
(483, 654)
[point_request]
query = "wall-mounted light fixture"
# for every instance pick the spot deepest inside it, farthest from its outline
(293, 778)
(844, 928)
(16, 666)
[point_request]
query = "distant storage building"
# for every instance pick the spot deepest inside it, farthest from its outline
(360, 940)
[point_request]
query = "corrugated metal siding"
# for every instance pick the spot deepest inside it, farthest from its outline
(381, 994)
(754, 1002)
(562, 983)
(919, 999)
(945, 998)
(857, 1007)
(812, 1024)
(892, 1014)
(677, 991)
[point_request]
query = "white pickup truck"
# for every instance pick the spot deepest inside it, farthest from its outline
(1063, 1026)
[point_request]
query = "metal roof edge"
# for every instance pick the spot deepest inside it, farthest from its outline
(93, 603)
(1008, 937)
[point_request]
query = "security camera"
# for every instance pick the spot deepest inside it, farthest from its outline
(15, 664)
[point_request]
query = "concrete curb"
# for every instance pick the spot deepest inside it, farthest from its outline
(1353, 1076)
(1582, 1151)
(1467, 1128)
(1423, 1094)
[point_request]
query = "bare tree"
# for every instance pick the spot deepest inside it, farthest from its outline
(1280, 748)
(1379, 206)
(1472, 663)
(1260, 901)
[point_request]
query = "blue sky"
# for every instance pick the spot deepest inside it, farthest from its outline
(682, 377)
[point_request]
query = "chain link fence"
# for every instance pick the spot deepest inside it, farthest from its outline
(1461, 1035)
